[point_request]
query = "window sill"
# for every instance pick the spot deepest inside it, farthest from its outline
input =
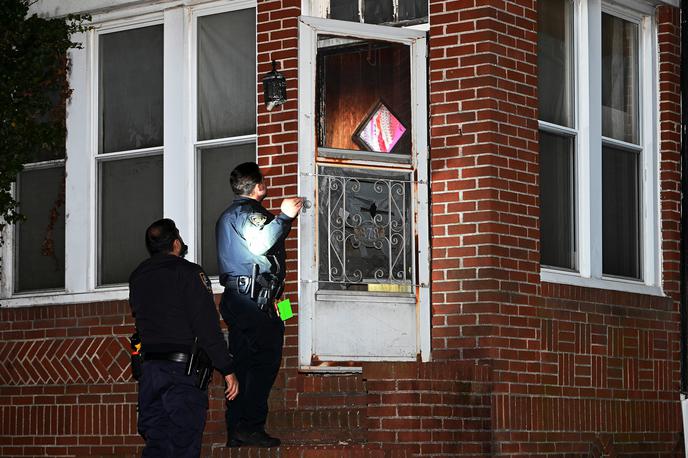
(62, 298)
(614, 284)
(101, 294)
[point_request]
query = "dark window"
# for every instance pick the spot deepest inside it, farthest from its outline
(130, 89)
(227, 74)
(40, 239)
(620, 213)
(131, 199)
(557, 234)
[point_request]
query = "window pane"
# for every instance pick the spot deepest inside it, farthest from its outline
(40, 240)
(378, 11)
(227, 74)
(620, 213)
(355, 80)
(344, 10)
(413, 9)
(364, 230)
(557, 190)
(131, 199)
(216, 193)
(130, 89)
(619, 79)
(555, 62)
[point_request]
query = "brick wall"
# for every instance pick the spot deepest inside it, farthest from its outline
(521, 368)
(484, 168)
(433, 409)
(64, 381)
(575, 370)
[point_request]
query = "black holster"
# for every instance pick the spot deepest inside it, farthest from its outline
(200, 366)
(136, 356)
(269, 289)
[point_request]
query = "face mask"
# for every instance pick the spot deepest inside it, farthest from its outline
(185, 249)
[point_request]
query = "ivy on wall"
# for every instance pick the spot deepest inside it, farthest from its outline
(34, 90)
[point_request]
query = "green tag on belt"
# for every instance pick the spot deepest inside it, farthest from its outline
(284, 308)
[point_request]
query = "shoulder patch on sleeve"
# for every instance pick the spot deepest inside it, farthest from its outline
(205, 281)
(257, 219)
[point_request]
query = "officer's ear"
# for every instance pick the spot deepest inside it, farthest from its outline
(259, 190)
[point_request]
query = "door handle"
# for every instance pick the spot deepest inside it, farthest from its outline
(306, 204)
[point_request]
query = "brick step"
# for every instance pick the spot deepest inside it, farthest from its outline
(323, 426)
(331, 400)
(310, 427)
(311, 451)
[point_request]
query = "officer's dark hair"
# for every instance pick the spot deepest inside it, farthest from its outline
(244, 178)
(160, 236)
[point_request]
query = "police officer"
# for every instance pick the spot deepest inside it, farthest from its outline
(251, 257)
(172, 302)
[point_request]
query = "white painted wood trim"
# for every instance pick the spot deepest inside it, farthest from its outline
(7, 259)
(179, 166)
(91, 191)
(584, 140)
(615, 284)
(364, 31)
(419, 112)
(594, 146)
(650, 126)
(79, 186)
(306, 188)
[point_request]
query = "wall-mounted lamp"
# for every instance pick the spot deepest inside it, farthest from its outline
(274, 88)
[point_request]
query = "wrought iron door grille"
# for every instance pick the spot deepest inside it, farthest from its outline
(365, 229)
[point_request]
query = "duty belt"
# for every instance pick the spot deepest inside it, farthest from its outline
(259, 289)
(175, 357)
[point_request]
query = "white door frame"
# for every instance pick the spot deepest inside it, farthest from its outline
(309, 28)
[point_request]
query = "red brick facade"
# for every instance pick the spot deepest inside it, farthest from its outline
(520, 367)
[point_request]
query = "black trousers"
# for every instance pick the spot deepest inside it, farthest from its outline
(255, 340)
(172, 411)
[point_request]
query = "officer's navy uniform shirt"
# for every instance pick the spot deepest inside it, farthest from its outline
(173, 303)
(248, 234)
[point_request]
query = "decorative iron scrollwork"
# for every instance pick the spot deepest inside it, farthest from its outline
(365, 229)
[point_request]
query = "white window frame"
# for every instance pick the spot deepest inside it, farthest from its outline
(198, 145)
(180, 171)
(96, 158)
(588, 149)
(9, 249)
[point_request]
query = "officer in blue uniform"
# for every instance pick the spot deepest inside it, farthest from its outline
(251, 257)
(177, 322)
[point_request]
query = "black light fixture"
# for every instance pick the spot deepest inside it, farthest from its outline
(274, 88)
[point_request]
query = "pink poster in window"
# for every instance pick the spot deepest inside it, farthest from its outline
(381, 130)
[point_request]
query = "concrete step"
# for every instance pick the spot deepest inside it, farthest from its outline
(310, 451)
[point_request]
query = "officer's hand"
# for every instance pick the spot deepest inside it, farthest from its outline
(291, 206)
(232, 388)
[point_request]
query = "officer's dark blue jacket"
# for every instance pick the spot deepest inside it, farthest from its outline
(172, 302)
(248, 234)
